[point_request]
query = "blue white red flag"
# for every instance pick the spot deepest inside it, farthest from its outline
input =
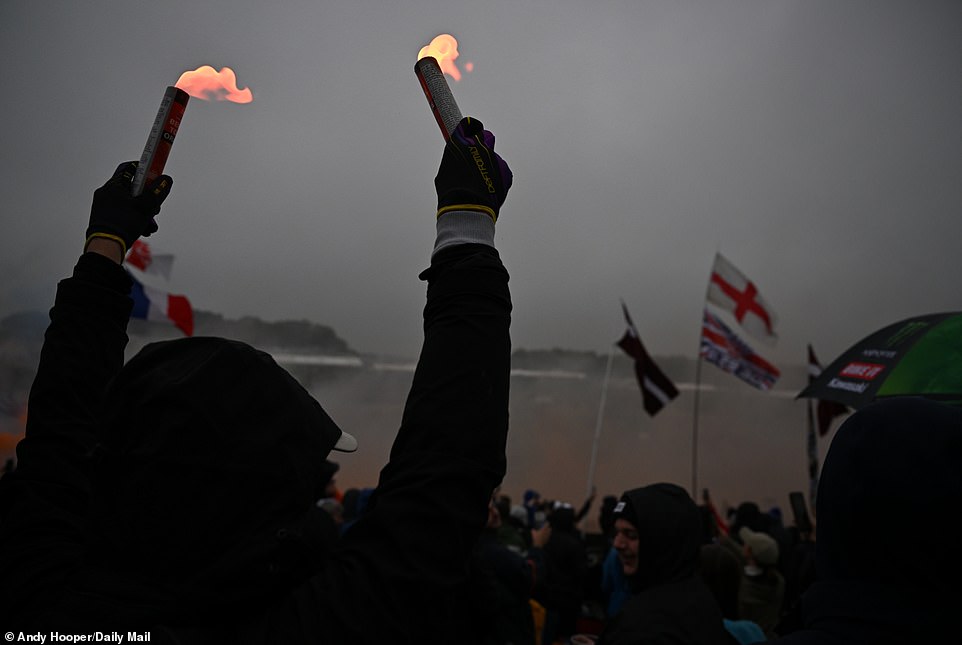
(153, 304)
(721, 347)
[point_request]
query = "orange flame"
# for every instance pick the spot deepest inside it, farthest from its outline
(445, 49)
(207, 83)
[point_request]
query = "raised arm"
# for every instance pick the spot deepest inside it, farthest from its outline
(449, 455)
(397, 574)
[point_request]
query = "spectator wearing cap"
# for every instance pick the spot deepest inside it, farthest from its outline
(658, 534)
(762, 591)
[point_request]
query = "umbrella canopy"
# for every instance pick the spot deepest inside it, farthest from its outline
(919, 356)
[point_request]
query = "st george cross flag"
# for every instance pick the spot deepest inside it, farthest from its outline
(142, 256)
(826, 411)
(721, 347)
(729, 289)
(153, 304)
(656, 388)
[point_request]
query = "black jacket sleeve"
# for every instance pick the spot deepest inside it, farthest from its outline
(44, 502)
(396, 575)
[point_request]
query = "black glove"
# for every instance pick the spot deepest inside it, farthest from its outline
(117, 215)
(472, 175)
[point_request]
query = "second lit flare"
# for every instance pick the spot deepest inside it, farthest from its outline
(434, 61)
(205, 83)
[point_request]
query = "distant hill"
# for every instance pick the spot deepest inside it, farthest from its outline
(21, 336)
(293, 335)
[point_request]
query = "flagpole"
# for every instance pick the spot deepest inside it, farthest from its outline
(694, 420)
(601, 414)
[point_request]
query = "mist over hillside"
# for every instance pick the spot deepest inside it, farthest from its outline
(751, 444)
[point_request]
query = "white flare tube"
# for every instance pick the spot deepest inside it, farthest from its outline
(438, 94)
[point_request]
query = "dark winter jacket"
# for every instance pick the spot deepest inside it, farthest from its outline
(192, 514)
(887, 560)
(501, 592)
(670, 603)
(566, 558)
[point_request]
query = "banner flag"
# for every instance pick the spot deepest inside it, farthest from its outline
(721, 347)
(656, 388)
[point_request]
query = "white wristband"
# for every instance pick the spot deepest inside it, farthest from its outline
(464, 227)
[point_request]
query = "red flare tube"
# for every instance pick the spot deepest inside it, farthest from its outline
(161, 138)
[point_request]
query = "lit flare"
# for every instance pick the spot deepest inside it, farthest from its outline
(208, 84)
(444, 48)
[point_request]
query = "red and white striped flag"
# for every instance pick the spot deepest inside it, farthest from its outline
(730, 290)
(656, 388)
(142, 256)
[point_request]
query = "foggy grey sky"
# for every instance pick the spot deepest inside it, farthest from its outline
(816, 144)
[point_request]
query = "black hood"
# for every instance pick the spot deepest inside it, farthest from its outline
(669, 533)
(212, 459)
(890, 494)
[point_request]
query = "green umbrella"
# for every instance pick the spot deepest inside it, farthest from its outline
(920, 356)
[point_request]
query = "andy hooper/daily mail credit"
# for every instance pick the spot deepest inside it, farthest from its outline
(93, 637)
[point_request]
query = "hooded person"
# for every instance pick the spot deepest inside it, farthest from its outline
(887, 552)
(201, 473)
(176, 494)
(658, 534)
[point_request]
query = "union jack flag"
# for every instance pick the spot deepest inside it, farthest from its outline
(721, 347)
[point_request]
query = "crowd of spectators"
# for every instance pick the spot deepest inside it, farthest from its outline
(660, 568)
